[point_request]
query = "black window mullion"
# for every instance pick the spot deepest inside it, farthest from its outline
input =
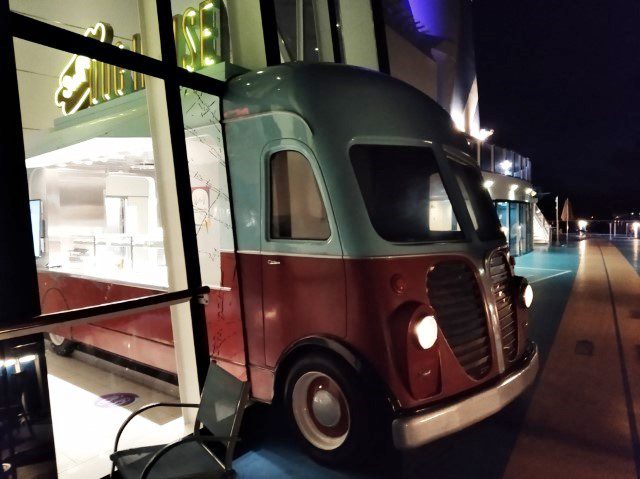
(183, 185)
(336, 39)
(380, 31)
(270, 32)
(19, 297)
(42, 33)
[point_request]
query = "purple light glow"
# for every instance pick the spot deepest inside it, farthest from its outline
(429, 13)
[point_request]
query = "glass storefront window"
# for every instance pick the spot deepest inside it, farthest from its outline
(91, 172)
(98, 207)
(304, 30)
(516, 224)
(515, 229)
(218, 38)
(502, 209)
(117, 22)
(209, 182)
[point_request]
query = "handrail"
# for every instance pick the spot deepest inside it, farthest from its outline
(45, 322)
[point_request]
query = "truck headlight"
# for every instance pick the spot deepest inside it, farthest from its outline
(426, 330)
(526, 293)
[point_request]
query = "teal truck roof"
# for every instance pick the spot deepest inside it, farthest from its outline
(330, 96)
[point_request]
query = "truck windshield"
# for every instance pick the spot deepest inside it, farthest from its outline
(479, 202)
(406, 199)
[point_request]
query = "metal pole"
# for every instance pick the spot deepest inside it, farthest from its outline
(610, 228)
(300, 30)
(557, 222)
(615, 227)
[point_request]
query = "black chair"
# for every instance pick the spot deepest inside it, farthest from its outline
(220, 411)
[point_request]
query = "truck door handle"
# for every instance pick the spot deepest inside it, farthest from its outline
(273, 262)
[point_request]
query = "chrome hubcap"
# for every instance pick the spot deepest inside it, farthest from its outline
(320, 410)
(326, 408)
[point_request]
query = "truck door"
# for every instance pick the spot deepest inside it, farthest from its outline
(303, 278)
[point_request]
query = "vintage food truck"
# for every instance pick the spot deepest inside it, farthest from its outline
(377, 289)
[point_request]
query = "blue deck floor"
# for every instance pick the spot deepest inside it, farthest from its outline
(267, 451)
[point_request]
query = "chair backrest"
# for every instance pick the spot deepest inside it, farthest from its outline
(223, 401)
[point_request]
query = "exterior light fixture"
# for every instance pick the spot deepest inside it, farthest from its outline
(528, 191)
(481, 134)
(488, 184)
(582, 224)
(458, 120)
(513, 187)
(505, 166)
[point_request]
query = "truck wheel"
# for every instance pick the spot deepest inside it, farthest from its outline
(330, 411)
(61, 345)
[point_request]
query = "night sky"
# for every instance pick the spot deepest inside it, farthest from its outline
(559, 81)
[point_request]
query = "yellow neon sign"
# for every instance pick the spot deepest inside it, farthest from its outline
(85, 82)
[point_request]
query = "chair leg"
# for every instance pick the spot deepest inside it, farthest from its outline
(25, 416)
(229, 474)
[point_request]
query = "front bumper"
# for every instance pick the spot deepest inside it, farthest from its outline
(423, 427)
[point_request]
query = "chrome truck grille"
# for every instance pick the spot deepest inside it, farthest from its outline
(500, 273)
(457, 301)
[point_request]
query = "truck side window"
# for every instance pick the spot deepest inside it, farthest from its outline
(297, 210)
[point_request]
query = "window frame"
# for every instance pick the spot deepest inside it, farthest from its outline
(270, 203)
(29, 319)
(327, 247)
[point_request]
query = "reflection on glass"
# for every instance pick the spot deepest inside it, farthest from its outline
(502, 208)
(26, 439)
(515, 229)
(35, 208)
(97, 375)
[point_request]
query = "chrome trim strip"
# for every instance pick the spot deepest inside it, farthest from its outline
(386, 257)
(298, 255)
(415, 431)
(456, 154)
(493, 308)
(218, 288)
